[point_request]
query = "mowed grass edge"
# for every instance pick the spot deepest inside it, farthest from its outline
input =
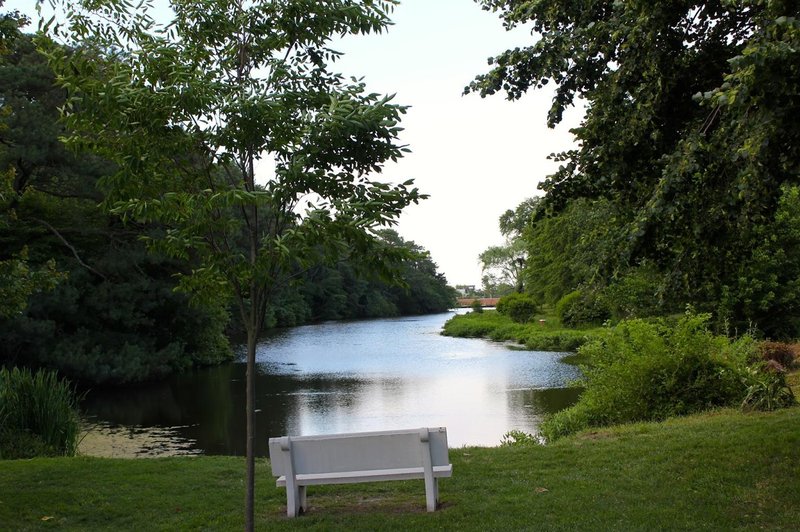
(721, 470)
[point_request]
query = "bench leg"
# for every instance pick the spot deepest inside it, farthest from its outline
(303, 503)
(294, 496)
(291, 502)
(431, 494)
(295, 501)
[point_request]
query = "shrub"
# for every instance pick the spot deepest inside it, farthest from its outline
(650, 370)
(565, 304)
(782, 353)
(766, 390)
(476, 306)
(582, 308)
(519, 307)
(38, 414)
(518, 438)
(563, 340)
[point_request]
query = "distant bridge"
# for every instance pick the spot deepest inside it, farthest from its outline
(485, 301)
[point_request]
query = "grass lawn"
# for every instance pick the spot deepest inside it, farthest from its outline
(546, 335)
(719, 471)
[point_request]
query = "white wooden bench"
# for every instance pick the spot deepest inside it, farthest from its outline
(359, 457)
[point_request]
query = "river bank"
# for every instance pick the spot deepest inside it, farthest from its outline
(716, 471)
(544, 333)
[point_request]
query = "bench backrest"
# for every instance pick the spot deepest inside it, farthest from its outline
(362, 451)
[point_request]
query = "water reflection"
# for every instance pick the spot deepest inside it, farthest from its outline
(343, 377)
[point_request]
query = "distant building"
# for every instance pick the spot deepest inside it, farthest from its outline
(465, 289)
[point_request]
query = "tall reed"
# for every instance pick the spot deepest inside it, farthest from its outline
(38, 407)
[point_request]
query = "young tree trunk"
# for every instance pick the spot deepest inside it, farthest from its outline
(250, 408)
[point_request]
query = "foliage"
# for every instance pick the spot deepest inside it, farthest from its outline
(476, 306)
(504, 265)
(689, 137)
(638, 293)
(20, 282)
(534, 336)
(645, 371)
(570, 249)
(330, 292)
(38, 414)
(582, 308)
(564, 307)
(564, 340)
(116, 318)
(519, 307)
(493, 285)
(187, 109)
(81, 295)
(518, 438)
(472, 325)
(18, 278)
(766, 390)
(10, 24)
(116, 332)
(762, 288)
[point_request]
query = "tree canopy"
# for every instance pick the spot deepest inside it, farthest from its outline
(79, 292)
(688, 132)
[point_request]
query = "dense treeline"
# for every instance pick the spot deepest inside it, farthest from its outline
(340, 291)
(112, 315)
(684, 186)
(82, 294)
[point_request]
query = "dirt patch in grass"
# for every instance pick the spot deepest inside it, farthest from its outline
(596, 435)
(365, 503)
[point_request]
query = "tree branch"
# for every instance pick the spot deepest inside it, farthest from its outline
(71, 248)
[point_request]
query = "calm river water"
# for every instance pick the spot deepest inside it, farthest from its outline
(342, 377)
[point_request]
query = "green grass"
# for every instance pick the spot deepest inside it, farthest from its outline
(719, 471)
(547, 336)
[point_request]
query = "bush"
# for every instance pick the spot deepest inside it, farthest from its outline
(648, 371)
(38, 414)
(476, 306)
(519, 307)
(561, 340)
(582, 308)
(782, 353)
(766, 389)
(518, 438)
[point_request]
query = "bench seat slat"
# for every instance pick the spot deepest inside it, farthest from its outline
(351, 477)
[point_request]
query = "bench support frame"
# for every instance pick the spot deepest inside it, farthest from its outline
(282, 454)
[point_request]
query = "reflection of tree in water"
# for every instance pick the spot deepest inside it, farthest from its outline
(546, 401)
(199, 404)
(149, 404)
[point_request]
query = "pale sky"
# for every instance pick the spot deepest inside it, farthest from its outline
(476, 157)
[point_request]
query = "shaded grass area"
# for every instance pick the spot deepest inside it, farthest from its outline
(793, 380)
(718, 471)
(549, 335)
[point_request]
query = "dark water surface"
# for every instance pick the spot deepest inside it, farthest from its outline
(347, 377)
